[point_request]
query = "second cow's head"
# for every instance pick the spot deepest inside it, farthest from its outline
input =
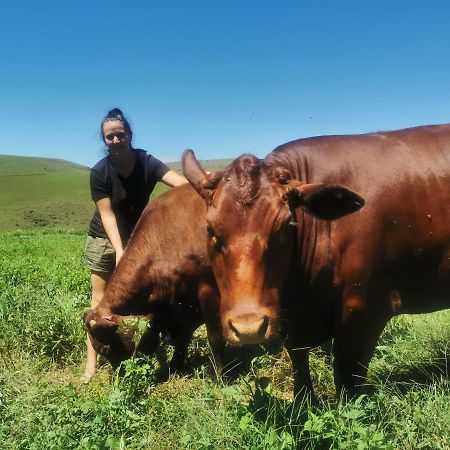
(252, 236)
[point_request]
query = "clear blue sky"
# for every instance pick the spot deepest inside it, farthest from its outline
(221, 77)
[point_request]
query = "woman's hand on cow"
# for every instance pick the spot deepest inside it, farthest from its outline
(172, 179)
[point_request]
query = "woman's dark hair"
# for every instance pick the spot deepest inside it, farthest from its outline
(116, 114)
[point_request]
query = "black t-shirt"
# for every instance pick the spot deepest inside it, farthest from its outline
(129, 196)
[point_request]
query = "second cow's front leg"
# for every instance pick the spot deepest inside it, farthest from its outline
(354, 345)
(299, 355)
(181, 336)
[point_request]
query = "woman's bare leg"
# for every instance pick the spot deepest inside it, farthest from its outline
(99, 281)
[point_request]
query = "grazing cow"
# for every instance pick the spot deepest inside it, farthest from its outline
(164, 275)
(340, 279)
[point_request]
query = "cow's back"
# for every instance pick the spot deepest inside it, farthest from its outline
(166, 256)
(365, 161)
(401, 238)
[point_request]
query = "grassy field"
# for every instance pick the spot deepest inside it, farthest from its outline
(43, 192)
(44, 289)
(36, 192)
(43, 292)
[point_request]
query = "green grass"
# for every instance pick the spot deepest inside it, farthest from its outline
(36, 192)
(44, 289)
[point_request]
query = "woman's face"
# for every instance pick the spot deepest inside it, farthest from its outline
(116, 137)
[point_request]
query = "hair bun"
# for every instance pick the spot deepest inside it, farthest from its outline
(113, 113)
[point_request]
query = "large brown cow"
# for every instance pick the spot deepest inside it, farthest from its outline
(343, 279)
(164, 275)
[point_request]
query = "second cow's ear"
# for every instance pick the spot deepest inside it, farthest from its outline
(324, 201)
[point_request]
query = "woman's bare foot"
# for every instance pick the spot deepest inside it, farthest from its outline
(86, 377)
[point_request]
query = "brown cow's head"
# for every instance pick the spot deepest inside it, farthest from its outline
(108, 335)
(250, 220)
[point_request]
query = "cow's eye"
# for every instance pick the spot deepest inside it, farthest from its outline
(213, 239)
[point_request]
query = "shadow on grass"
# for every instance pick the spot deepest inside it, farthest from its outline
(236, 360)
(425, 373)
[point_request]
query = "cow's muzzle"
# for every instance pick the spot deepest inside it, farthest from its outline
(247, 329)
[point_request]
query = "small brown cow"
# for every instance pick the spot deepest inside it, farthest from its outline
(164, 275)
(340, 279)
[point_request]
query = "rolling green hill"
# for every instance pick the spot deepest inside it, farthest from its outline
(51, 192)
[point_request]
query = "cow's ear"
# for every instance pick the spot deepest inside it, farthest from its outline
(325, 201)
(204, 183)
(94, 320)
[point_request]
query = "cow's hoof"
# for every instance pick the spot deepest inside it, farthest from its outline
(162, 374)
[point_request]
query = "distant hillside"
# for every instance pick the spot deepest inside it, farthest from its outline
(52, 192)
(43, 192)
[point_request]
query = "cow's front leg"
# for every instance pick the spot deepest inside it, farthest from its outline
(151, 345)
(217, 346)
(305, 329)
(300, 365)
(354, 346)
(150, 342)
(210, 307)
(182, 337)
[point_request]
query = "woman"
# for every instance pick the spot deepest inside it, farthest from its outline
(121, 184)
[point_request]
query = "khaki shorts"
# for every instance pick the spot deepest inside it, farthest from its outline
(99, 254)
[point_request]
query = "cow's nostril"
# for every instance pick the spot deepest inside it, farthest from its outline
(264, 326)
(233, 328)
